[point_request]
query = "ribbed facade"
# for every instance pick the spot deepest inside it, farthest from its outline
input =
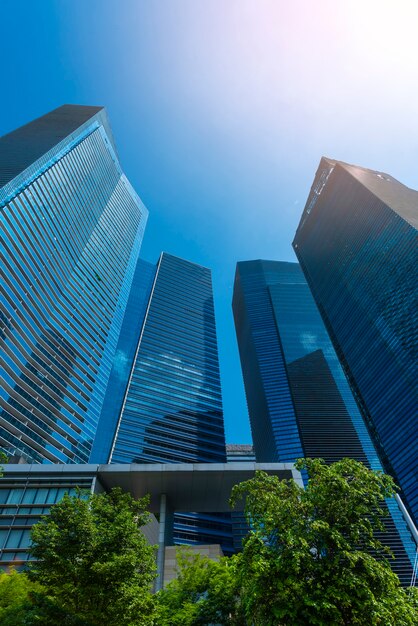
(357, 245)
(71, 230)
(172, 409)
(272, 415)
(23, 502)
(123, 361)
(326, 417)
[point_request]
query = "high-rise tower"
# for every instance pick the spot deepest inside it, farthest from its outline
(71, 230)
(171, 411)
(299, 400)
(357, 245)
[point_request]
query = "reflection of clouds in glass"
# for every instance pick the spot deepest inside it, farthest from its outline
(177, 363)
(172, 367)
(120, 363)
(312, 341)
(309, 341)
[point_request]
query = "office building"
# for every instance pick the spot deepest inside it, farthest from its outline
(171, 411)
(107, 358)
(123, 361)
(172, 407)
(240, 453)
(299, 399)
(28, 491)
(72, 226)
(357, 245)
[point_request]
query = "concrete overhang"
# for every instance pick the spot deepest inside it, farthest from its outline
(201, 487)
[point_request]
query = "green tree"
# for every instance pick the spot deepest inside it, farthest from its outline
(205, 592)
(15, 594)
(94, 563)
(307, 559)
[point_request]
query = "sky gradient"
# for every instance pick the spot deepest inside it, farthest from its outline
(221, 111)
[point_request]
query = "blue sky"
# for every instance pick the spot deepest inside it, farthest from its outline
(221, 110)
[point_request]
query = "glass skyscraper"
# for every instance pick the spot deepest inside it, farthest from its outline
(123, 361)
(105, 357)
(72, 226)
(299, 400)
(171, 409)
(357, 245)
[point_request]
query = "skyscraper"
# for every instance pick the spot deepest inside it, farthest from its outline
(296, 389)
(357, 245)
(72, 226)
(107, 358)
(272, 415)
(171, 411)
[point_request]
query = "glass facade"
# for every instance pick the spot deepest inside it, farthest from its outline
(123, 360)
(357, 245)
(172, 409)
(326, 417)
(272, 415)
(71, 230)
(24, 501)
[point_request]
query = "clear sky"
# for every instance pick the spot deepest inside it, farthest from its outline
(221, 110)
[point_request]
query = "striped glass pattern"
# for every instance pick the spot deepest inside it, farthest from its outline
(70, 241)
(328, 421)
(173, 407)
(332, 423)
(23, 502)
(172, 411)
(272, 416)
(359, 255)
(123, 360)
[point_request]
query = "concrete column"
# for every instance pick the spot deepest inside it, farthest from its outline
(165, 537)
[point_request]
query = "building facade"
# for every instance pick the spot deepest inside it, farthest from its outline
(272, 416)
(72, 226)
(105, 357)
(239, 453)
(123, 361)
(304, 398)
(357, 245)
(28, 491)
(171, 409)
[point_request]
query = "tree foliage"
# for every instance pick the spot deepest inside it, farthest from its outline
(94, 564)
(15, 597)
(205, 592)
(307, 559)
(310, 558)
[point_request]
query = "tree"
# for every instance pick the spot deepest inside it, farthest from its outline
(94, 564)
(205, 592)
(307, 559)
(15, 592)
